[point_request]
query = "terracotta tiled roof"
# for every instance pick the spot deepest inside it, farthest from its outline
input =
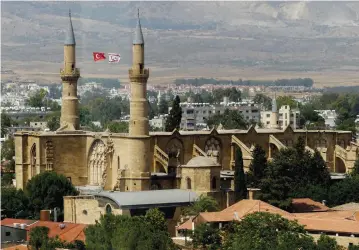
(244, 207)
(328, 221)
(186, 225)
(69, 233)
(327, 225)
(303, 205)
(348, 206)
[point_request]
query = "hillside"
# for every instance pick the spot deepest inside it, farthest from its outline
(184, 39)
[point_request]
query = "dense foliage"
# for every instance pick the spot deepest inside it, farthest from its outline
(40, 240)
(206, 236)
(265, 231)
(46, 191)
(230, 119)
(240, 187)
(202, 204)
(257, 167)
(173, 120)
(123, 232)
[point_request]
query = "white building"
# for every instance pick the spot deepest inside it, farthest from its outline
(329, 117)
(158, 122)
(285, 116)
(196, 114)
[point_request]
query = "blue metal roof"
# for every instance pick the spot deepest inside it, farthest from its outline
(138, 37)
(70, 36)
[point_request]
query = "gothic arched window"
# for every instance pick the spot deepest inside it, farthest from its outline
(108, 209)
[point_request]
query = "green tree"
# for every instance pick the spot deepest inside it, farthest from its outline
(14, 203)
(286, 100)
(156, 218)
(123, 232)
(230, 119)
(163, 105)
(355, 170)
(240, 187)
(262, 231)
(290, 171)
(118, 127)
(327, 243)
(202, 204)
(39, 237)
(205, 236)
(257, 167)
(37, 99)
(8, 149)
(84, 116)
(310, 118)
(173, 120)
(5, 123)
(264, 100)
(46, 191)
(8, 154)
(344, 191)
(353, 247)
(53, 120)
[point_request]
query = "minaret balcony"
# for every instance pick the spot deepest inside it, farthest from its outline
(138, 76)
(70, 75)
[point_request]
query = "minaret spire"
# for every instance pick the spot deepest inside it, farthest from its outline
(69, 74)
(138, 38)
(70, 36)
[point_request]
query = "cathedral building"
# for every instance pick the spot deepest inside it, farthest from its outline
(198, 161)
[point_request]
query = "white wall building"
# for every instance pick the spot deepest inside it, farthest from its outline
(194, 114)
(286, 116)
(329, 117)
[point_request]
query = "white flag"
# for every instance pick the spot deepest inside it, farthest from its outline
(114, 58)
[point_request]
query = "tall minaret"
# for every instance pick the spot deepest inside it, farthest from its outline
(274, 115)
(69, 76)
(139, 143)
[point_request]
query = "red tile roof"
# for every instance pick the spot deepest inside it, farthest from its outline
(329, 221)
(303, 205)
(69, 233)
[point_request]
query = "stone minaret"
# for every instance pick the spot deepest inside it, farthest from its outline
(69, 76)
(139, 144)
(274, 115)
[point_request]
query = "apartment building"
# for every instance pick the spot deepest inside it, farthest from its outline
(286, 116)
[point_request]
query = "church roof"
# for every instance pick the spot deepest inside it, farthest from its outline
(150, 198)
(202, 161)
(138, 37)
(70, 36)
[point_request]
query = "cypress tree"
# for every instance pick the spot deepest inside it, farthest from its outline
(240, 187)
(173, 120)
(257, 166)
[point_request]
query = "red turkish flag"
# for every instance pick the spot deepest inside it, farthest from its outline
(98, 56)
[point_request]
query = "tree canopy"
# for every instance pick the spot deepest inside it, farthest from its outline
(262, 231)
(124, 232)
(202, 204)
(173, 120)
(240, 187)
(46, 191)
(230, 119)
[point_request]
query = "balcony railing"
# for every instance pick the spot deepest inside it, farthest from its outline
(74, 72)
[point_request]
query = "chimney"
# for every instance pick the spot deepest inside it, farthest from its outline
(324, 202)
(45, 215)
(17, 225)
(252, 192)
